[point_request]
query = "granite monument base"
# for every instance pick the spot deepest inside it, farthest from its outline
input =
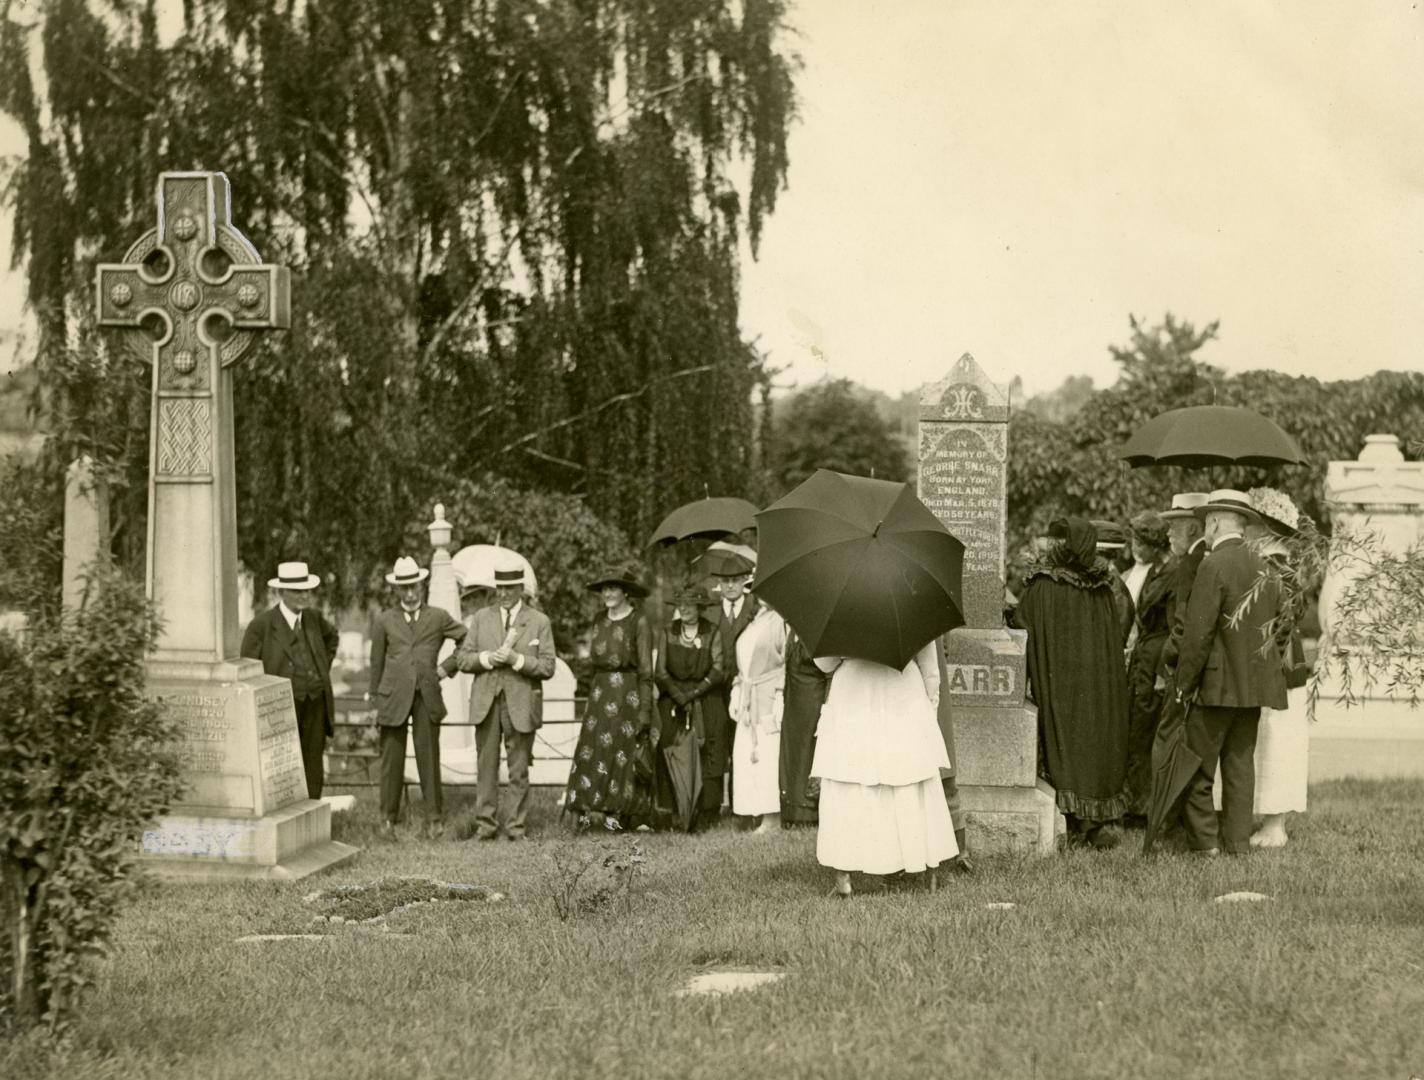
(1011, 820)
(1375, 738)
(285, 845)
(245, 811)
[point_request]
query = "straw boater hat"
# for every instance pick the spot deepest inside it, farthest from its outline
(1229, 499)
(509, 574)
(406, 572)
(1278, 513)
(621, 576)
(1183, 505)
(293, 575)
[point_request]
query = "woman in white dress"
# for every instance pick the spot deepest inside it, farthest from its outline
(1283, 735)
(878, 755)
(756, 712)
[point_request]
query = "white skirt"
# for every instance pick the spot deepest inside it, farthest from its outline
(756, 785)
(1282, 758)
(884, 829)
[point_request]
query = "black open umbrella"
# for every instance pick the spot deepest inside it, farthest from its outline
(1204, 436)
(859, 567)
(704, 517)
(1174, 763)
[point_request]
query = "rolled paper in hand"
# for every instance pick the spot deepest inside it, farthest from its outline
(509, 636)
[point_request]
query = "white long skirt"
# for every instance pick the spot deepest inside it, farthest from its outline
(756, 785)
(878, 755)
(1282, 758)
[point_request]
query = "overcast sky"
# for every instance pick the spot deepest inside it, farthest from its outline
(1013, 179)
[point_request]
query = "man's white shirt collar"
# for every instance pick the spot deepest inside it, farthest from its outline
(289, 615)
(1222, 539)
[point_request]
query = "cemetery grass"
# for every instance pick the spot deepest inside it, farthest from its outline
(1108, 965)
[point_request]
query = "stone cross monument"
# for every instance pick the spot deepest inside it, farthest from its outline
(963, 452)
(189, 299)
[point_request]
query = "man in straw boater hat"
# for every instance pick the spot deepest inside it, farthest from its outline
(1229, 667)
(510, 651)
(297, 642)
(405, 687)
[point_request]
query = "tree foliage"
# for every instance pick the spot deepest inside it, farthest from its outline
(829, 426)
(514, 228)
(85, 766)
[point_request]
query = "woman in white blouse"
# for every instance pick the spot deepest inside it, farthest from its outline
(879, 752)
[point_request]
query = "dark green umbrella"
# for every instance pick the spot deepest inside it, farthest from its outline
(859, 567)
(1203, 436)
(684, 765)
(704, 517)
(1174, 763)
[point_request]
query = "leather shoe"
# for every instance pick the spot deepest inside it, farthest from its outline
(1207, 853)
(487, 834)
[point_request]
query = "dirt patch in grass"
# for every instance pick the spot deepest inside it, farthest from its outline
(381, 899)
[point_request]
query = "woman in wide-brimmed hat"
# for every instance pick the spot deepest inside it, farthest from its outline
(1282, 755)
(619, 714)
(689, 674)
(1152, 582)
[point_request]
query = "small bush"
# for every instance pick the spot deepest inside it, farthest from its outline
(85, 764)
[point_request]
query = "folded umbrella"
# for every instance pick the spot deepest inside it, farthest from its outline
(704, 517)
(1174, 763)
(684, 765)
(1203, 436)
(859, 567)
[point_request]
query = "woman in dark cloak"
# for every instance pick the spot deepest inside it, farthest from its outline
(803, 696)
(1078, 681)
(688, 671)
(1154, 623)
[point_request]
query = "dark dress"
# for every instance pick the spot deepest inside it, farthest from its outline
(692, 673)
(1154, 623)
(1077, 678)
(803, 695)
(620, 708)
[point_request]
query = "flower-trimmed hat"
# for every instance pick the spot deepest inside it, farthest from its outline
(621, 576)
(1278, 513)
(293, 575)
(1148, 527)
(1183, 505)
(406, 572)
(1230, 499)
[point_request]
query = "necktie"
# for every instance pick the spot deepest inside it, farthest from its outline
(505, 612)
(410, 617)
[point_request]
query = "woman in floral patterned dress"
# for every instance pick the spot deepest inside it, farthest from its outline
(619, 713)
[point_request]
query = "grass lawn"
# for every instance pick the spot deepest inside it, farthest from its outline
(1108, 966)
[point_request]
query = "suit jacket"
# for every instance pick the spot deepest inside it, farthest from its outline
(731, 630)
(523, 689)
(268, 638)
(1186, 567)
(1225, 664)
(403, 662)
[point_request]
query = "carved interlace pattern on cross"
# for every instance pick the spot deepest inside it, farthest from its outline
(184, 449)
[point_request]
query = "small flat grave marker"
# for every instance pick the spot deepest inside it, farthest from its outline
(1242, 898)
(714, 983)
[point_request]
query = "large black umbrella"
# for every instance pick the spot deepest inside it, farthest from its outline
(684, 765)
(1174, 763)
(704, 517)
(859, 567)
(1203, 436)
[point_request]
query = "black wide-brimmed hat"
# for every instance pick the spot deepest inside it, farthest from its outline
(621, 576)
(1111, 535)
(690, 595)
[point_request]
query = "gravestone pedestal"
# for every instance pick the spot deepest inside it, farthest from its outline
(964, 434)
(245, 813)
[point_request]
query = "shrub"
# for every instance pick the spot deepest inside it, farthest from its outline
(85, 765)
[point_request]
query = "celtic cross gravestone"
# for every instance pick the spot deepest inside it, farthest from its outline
(189, 298)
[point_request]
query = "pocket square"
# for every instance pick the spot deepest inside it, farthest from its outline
(534, 642)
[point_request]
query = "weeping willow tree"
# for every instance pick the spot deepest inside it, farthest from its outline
(514, 226)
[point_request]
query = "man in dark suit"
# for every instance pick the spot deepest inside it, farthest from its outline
(510, 650)
(405, 685)
(1233, 670)
(295, 641)
(738, 607)
(1184, 534)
